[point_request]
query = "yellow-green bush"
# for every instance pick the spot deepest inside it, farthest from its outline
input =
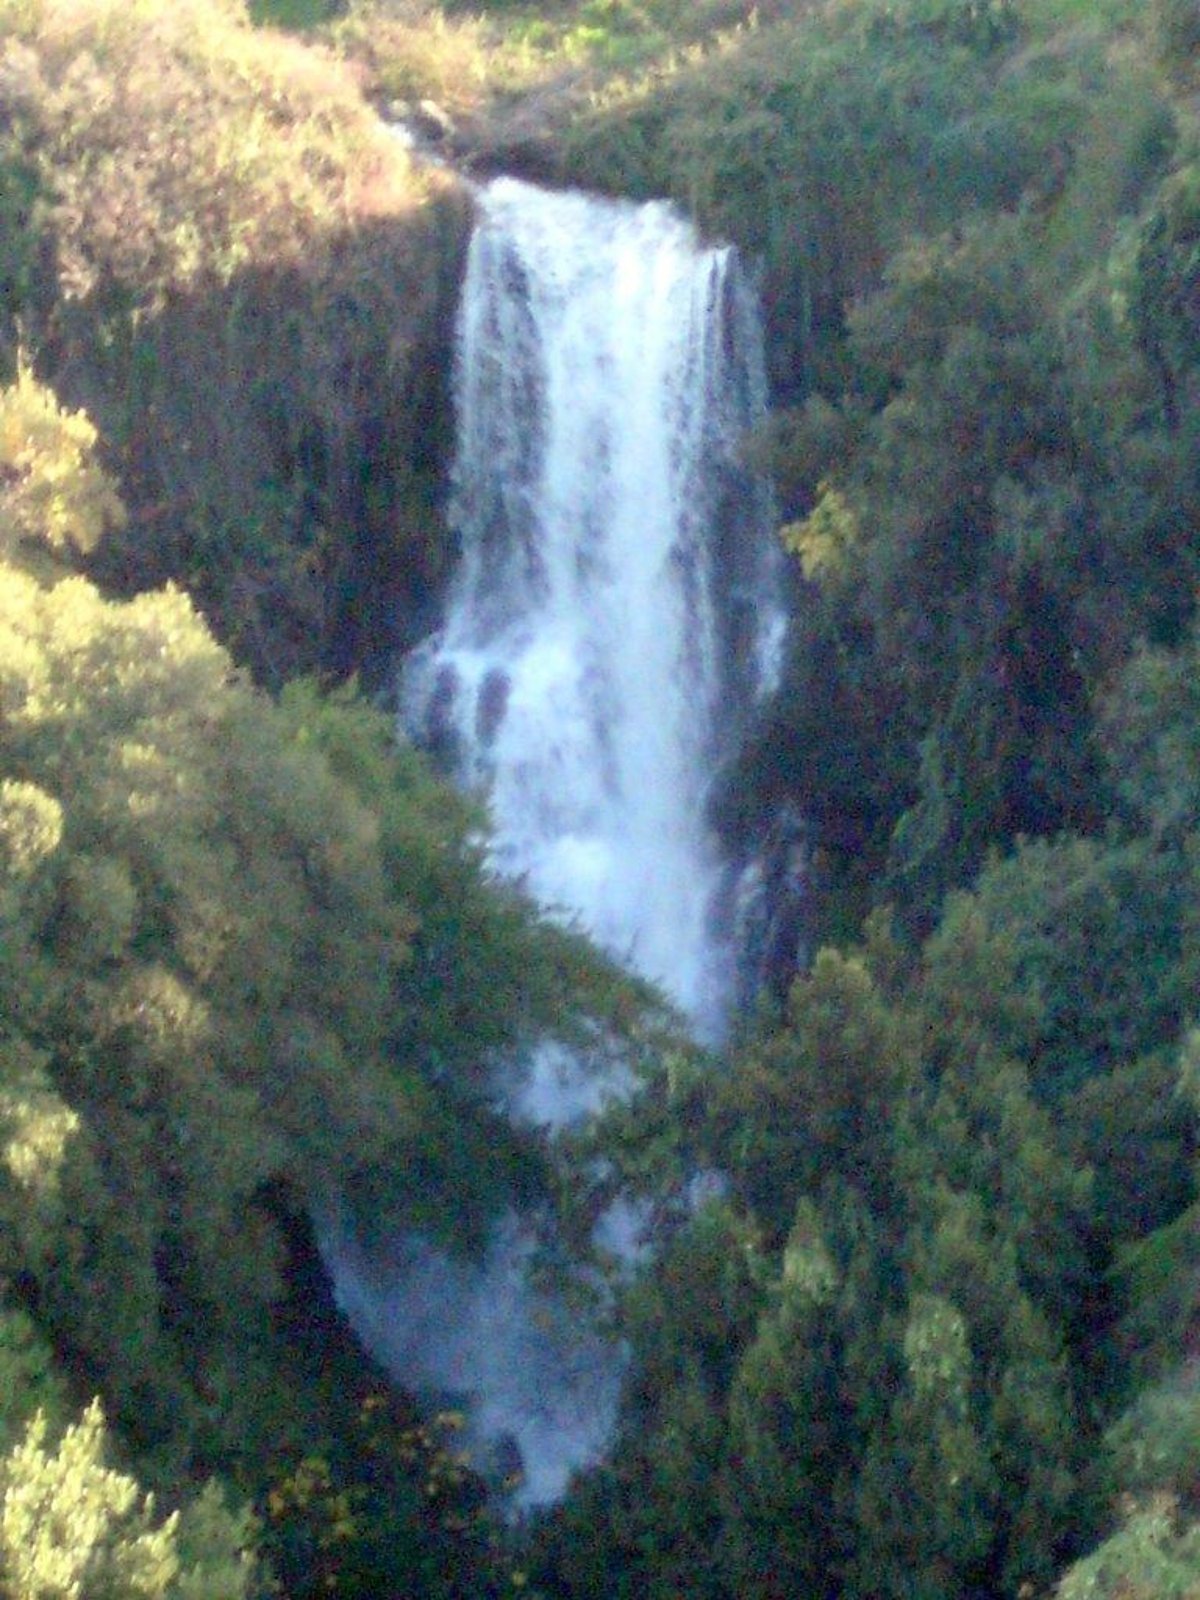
(175, 141)
(52, 488)
(71, 1525)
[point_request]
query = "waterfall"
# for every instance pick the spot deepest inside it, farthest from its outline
(612, 617)
(607, 619)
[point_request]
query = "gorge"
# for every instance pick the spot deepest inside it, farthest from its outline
(614, 615)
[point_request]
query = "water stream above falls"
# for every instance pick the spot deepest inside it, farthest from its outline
(613, 616)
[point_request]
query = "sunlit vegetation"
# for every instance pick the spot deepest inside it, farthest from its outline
(514, 78)
(196, 206)
(176, 142)
(55, 491)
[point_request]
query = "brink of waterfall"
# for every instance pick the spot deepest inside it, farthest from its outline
(613, 617)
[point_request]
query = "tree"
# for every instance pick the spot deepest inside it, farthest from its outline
(51, 487)
(785, 1469)
(73, 1526)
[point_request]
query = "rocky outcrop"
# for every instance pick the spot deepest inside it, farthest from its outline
(521, 134)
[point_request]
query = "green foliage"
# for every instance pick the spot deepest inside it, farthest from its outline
(22, 220)
(961, 1176)
(659, 1506)
(29, 1380)
(398, 1513)
(801, 1109)
(250, 951)
(960, 1199)
(1162, 304)
(210, 210)
(179, 143)
(1013, 529)
(52, 487)
(788, 1429)
(986, 305)
(981, 25)
(30, 827)
(1072, 958)
(72, 1525)
(297, 14)
(1151, 1459)
(822, 139)
(890, 1405)
(1154, 1447)
(1150, 724)
(1154, 1556)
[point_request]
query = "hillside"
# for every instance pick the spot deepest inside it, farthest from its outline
(936, 1335)
(198, 210)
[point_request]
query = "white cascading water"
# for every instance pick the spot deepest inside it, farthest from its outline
(585, 674)
(613, 614)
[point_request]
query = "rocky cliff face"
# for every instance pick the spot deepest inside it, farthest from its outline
(281, 441)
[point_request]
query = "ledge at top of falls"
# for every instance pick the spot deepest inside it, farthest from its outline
(516, 136)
